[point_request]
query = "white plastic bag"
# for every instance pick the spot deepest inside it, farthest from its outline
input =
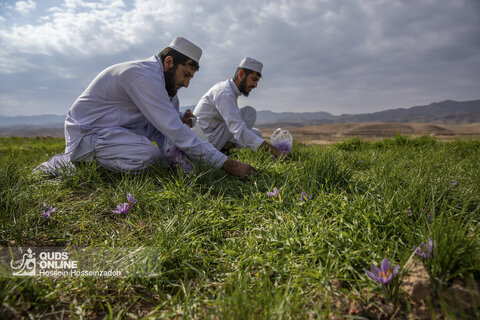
(282, 139)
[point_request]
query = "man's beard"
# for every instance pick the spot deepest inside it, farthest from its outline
(170, 84)
(242, 87)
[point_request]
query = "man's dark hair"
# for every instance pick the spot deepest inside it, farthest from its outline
(247, 72)
(178, 58)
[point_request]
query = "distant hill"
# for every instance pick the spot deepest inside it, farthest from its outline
(266, 116)
(445, 112)
(44, 120)
(448, 112)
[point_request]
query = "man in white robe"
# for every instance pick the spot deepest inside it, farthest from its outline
(222, 122)
(131, 104)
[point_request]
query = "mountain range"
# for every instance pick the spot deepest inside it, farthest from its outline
(446, 112)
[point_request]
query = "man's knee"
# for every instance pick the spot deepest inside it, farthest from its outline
(129, 157)
(134, 163)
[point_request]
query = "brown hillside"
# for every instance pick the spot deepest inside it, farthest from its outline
(331, 133)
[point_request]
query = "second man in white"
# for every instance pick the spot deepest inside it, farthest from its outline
(222, 122)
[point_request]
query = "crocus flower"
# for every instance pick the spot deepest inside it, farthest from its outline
(126, 206)
(385, 274)
(179, 160)
(123, 208)
(305, 197)
(425, 250)
(273, 193)
(131, 199)
(409, 212)
(283, 145)
(48, 210)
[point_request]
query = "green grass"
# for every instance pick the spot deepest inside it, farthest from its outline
(223, 248)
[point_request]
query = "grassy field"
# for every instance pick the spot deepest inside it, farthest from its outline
(222, 248)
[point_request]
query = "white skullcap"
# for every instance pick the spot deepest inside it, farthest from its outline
(187, 48)
(252, 64)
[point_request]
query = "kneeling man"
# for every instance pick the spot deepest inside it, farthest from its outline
(222, 122)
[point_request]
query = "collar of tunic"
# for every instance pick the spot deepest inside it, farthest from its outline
(234, 88)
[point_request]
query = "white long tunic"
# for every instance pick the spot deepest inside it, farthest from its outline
(219, 105)
(132, 95)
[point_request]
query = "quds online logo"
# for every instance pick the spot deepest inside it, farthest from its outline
(27, 266)
(56, 262)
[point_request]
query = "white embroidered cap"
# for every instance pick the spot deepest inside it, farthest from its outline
(252, 64)
(187, 48)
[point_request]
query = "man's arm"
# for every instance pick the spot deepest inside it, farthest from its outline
(230, 113)
(228, 109)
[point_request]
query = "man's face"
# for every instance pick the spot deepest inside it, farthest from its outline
(248, 83)
(178, 76)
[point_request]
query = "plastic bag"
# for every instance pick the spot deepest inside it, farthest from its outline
(282, 139)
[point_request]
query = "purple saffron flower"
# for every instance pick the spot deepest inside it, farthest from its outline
(48, 210)
(179, 160)
(385, 274)
(305, 197)
(126, 206)
(454, 183)
(283, 145)
(123, 208)
(426, 250)
(274, 193)
(409, 212)
(131, 199)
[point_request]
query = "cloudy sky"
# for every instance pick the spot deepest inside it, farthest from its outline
(339, 56)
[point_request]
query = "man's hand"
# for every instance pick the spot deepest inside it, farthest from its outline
(275, 151)
(189, 118)
(237, 168)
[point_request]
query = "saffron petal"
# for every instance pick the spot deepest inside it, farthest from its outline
(385, 265)
(131, 199)
(371, 275)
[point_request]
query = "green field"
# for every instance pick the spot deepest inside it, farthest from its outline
(223, 249)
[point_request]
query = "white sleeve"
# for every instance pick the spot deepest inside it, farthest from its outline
(228, 108)
(150, 96)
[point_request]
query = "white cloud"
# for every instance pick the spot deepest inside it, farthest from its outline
(24, 7)
(349, 54)
(85, 29)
